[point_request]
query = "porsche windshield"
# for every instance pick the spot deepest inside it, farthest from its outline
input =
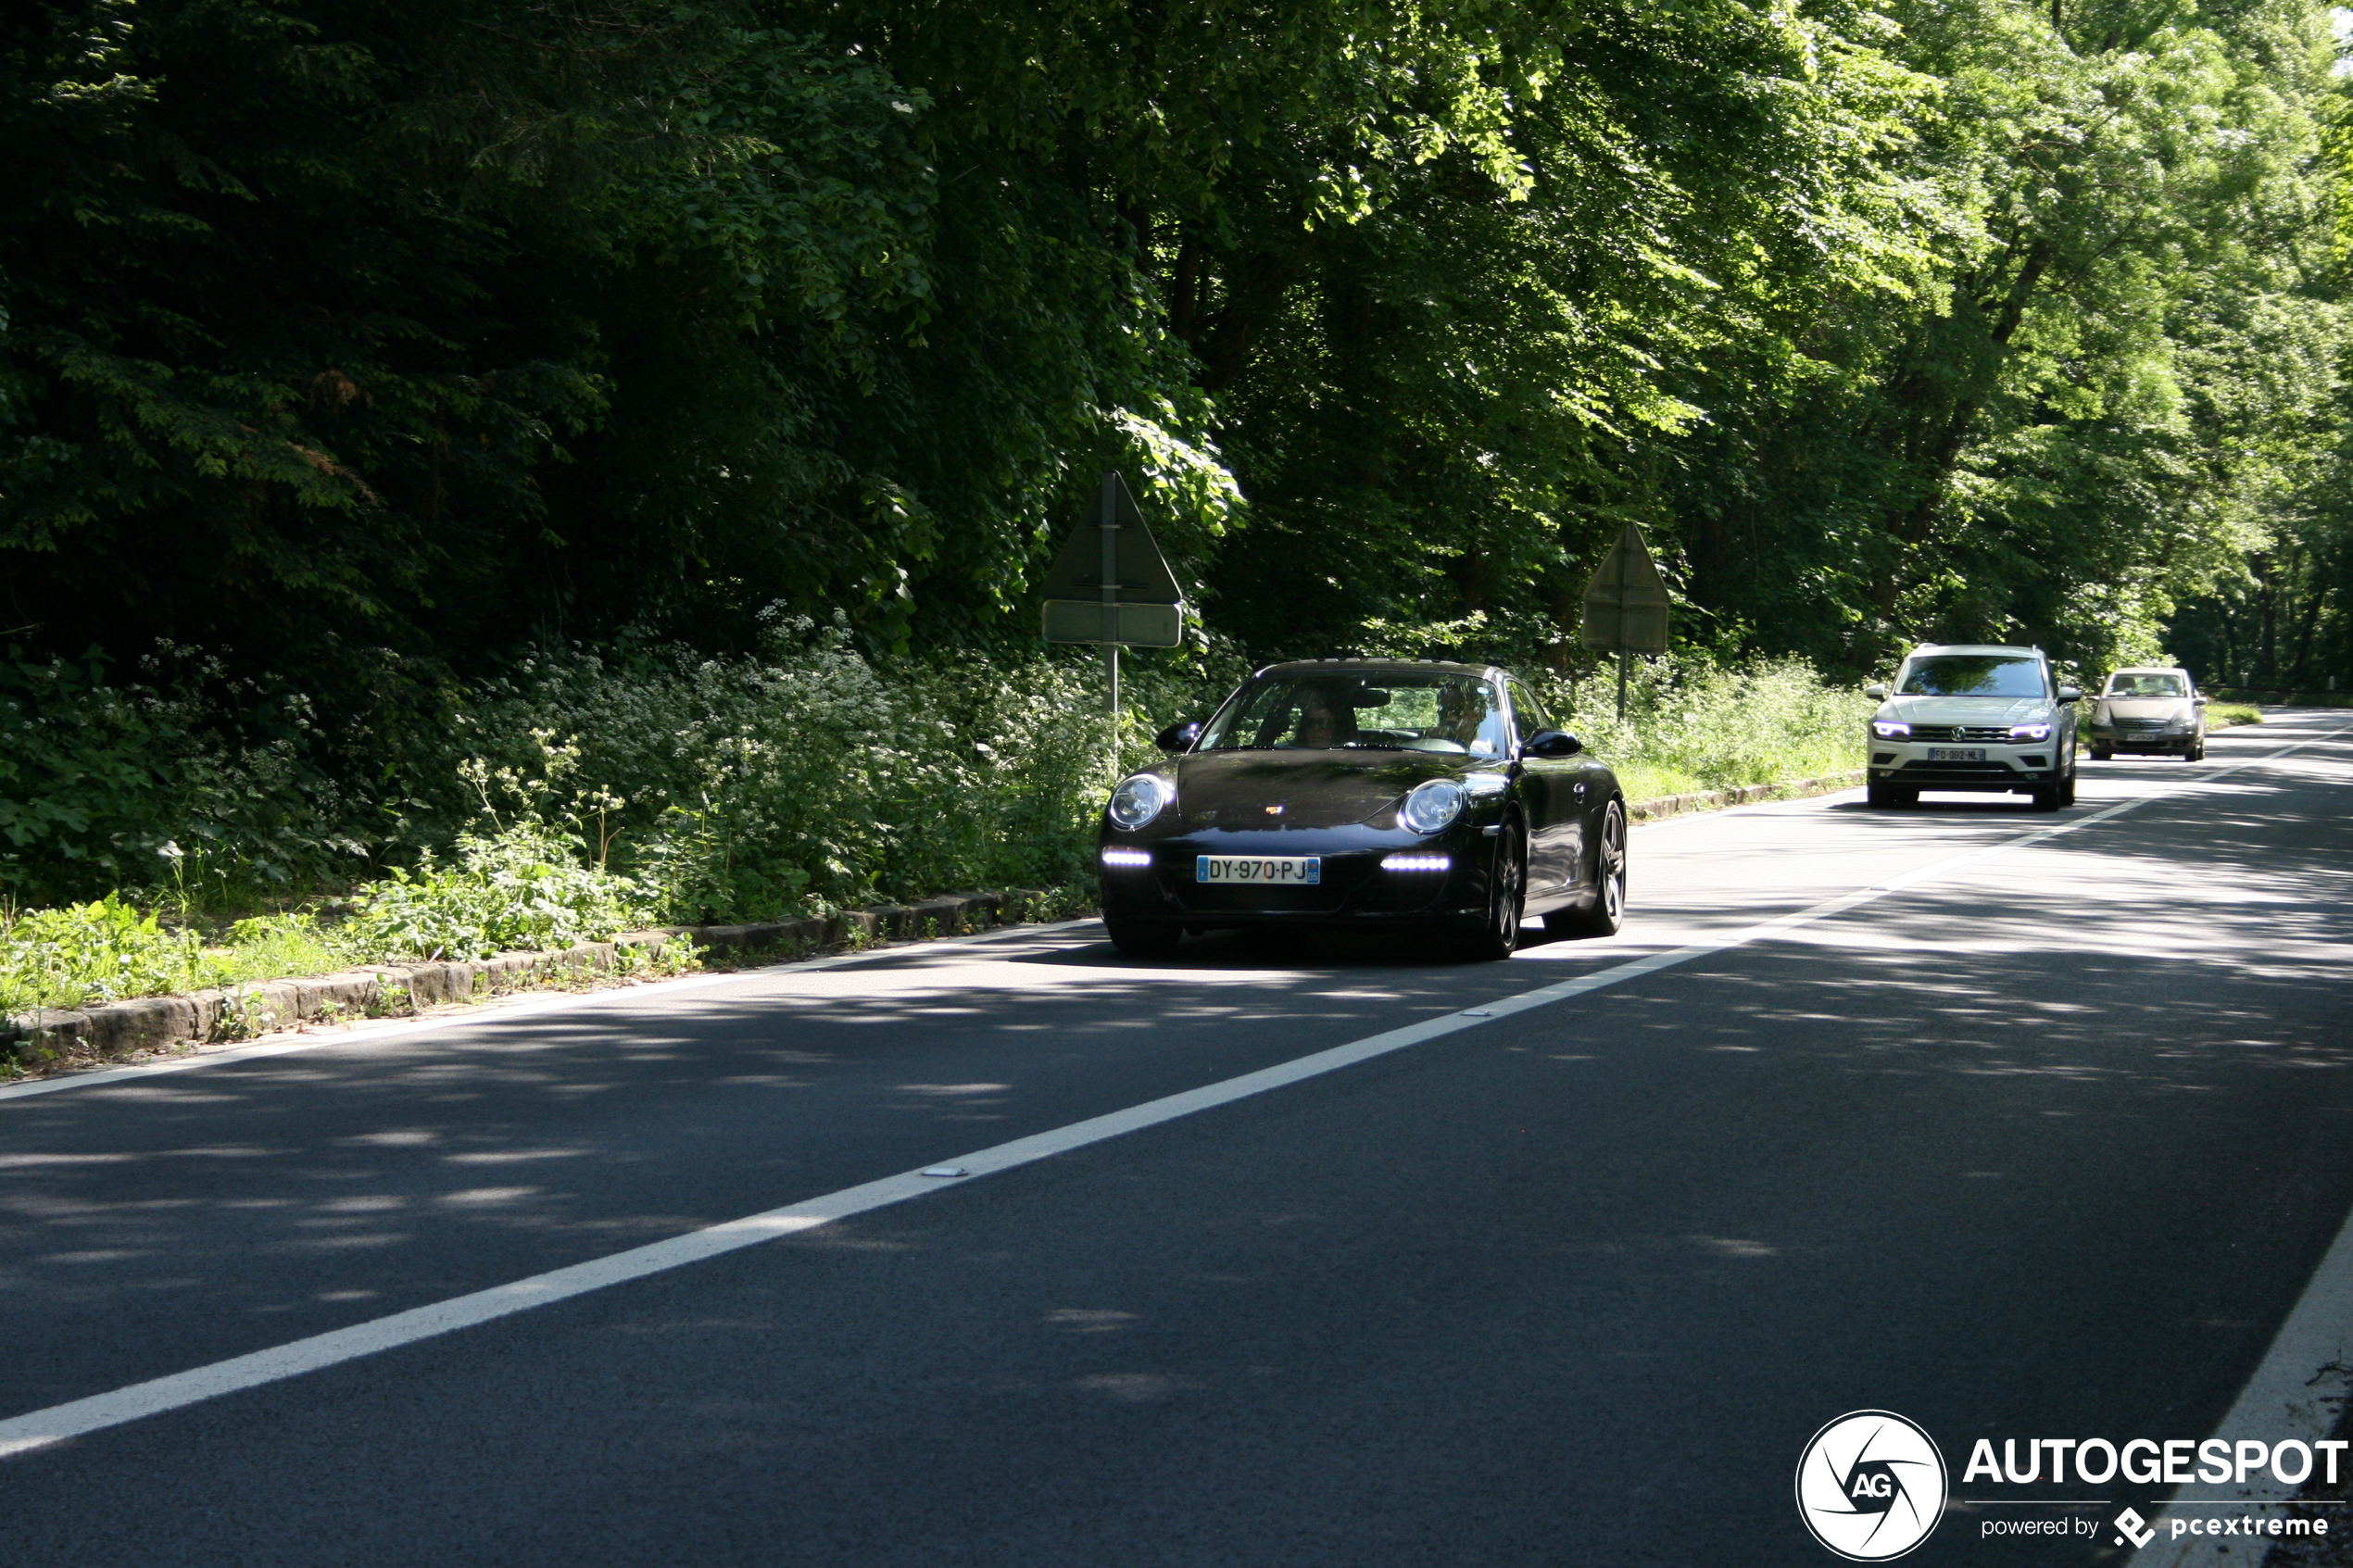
(1972, 674)
(1395, 710)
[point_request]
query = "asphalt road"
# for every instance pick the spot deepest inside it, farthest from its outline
(2047, 1145)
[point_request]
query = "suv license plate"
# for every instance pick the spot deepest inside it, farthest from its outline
(1955, 754)
(1260, 871)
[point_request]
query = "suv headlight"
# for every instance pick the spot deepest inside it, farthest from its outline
(1432, 806)
(2030, 731)
(1891, 729)
(1139, 799)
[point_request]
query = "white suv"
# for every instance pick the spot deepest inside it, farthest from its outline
(1970, 716)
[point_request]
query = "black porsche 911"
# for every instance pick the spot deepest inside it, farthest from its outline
(1367, 792)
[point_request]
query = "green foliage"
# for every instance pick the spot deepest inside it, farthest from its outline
(806, 776)
(520, 888)
(93, 952)
(190, 777)
(694, 791)
(1693, 724)
(2117, 394)
(370, 347)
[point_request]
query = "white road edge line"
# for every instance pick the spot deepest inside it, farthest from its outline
(2284, 1400)
(39, 1429)
(534, 1007)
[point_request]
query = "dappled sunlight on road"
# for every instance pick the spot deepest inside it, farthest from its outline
(2203, 922)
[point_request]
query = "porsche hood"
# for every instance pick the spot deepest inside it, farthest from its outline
(1273, 790)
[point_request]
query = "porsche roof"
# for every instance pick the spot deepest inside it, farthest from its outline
(1434, 666)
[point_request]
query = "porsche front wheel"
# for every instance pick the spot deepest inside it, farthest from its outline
(1607, 911)
(1506, 898)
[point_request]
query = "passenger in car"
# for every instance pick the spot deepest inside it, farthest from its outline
(1464, 717)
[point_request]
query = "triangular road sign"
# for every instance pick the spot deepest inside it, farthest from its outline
(1109, 581)
(1626, 604)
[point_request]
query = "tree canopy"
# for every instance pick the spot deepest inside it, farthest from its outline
(357, 340)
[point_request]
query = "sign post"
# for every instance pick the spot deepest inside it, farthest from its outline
(1110, 584)
(1624, 605)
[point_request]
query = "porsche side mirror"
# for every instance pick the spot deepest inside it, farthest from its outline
(1554, 743)
(1178, 737)
(1875, 691)
(2070, 694)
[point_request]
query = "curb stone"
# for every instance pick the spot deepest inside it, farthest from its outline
(146, 1024)
(1746, 794)
(140, 1026)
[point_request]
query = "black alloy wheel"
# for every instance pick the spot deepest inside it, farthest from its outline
(1143, 938)
(2067, 790)
(1606, 911)
(1506, 898)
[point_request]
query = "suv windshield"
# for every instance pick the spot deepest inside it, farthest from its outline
(2147, 686)
(1396, 710)
(1972, 674)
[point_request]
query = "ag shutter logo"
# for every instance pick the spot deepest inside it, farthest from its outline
(1871, 1485)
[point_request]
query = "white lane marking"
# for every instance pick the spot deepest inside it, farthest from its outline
(534, 1007)
(39, 1429)
(2284, 1399)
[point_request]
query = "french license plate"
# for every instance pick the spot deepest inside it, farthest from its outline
(1956, 753)
(1260, 871)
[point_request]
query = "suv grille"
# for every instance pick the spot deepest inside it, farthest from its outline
(2150, 724)
(2000, 734)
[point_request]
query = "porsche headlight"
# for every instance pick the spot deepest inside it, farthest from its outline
(1139, 799)
(1891, 729)
(1432, 806)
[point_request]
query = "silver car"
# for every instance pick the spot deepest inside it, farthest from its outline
(2156, 710)
(1973, 717)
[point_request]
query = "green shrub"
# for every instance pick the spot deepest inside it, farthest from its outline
(807, 777)
(94, 952)
(103, 783)
(523, 887)
(1694, 724)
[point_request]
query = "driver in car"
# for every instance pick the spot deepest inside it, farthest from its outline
(1319, 727)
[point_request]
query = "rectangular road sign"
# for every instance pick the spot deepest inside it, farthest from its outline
(1086, 621)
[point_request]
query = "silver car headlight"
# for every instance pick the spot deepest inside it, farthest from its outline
(1891, 729)
(1432, 806)
(2030, 731)
(1139, 799)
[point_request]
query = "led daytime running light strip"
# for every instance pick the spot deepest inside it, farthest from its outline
(1417, 863)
